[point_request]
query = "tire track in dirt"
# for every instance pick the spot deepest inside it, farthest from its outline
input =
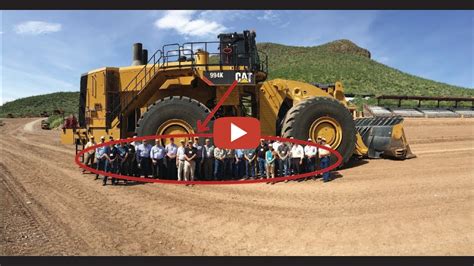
(382, 207)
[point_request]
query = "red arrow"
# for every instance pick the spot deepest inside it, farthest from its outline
(202, 126)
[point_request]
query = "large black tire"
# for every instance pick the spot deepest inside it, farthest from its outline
(299, 118)
(173, 107)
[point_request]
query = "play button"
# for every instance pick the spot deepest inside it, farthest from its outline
(237, 132)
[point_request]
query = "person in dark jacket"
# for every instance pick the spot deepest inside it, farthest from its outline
(208, 160)
(261, 151)
(132, 162)
(123, 159)
(111, 164)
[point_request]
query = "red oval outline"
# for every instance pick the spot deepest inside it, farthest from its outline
(223, 182)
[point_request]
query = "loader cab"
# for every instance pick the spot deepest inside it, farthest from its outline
(239, 49)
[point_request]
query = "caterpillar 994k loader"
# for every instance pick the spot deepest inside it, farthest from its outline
(178, 85)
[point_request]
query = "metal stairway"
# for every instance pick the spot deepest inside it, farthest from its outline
(142, 87)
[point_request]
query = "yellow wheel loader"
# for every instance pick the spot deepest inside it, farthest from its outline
(168, 92)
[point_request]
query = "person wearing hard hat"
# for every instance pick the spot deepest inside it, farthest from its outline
(100, 156)
(324, 158)
(89, 156)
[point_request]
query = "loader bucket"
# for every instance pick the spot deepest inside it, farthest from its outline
(384, 137)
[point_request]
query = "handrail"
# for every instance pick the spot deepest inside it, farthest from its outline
(118, 110)
(161, 59)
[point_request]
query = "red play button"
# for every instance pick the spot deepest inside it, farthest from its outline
(236, 132)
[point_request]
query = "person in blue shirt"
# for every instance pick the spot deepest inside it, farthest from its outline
(143, 158)
(270, 162)
(100, 156)
(157, 155)
(239, 163)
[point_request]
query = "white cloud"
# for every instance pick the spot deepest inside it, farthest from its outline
(36, 27)
(279, 18)
(183, 22)
(269, 15)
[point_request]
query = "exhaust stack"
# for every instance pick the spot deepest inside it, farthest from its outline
(137, 54)
(144, 56)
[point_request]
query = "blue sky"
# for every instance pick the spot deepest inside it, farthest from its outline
(47, 51)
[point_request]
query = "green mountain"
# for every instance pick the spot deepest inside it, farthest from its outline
(35, 105)
(339, 60)
(344, 61)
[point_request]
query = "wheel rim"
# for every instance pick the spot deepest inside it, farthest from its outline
(174, 126)
(328, 128)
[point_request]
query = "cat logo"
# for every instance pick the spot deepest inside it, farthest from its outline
(244, 77)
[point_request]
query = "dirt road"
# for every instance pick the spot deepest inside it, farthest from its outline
(422, 206)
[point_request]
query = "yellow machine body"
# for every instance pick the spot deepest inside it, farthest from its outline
(114, 98)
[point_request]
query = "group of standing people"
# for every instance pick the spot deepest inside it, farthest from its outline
(193, 160)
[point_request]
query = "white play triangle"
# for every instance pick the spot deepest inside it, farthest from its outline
(236, 132)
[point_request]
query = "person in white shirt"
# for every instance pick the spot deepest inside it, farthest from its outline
(325, 158)
(90, 155)
(219, 156)
(135, 143)
(276, 144)
(181, 157)
(143, 158)
(310, 153)
(297, 156)
(170, 159)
